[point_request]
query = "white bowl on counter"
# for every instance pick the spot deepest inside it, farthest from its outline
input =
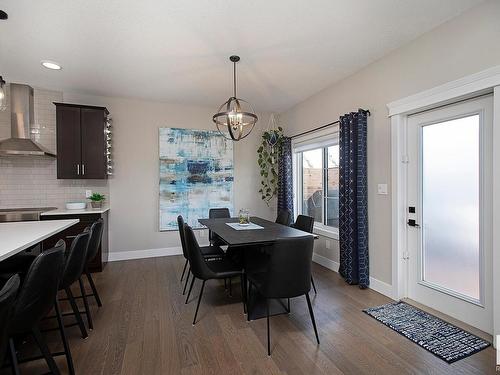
(76, 205)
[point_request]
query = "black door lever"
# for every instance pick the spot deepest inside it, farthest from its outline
(413, 223)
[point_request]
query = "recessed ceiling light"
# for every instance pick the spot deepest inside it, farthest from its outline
(51, 65)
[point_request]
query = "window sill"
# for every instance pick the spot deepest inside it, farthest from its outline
(325, 231)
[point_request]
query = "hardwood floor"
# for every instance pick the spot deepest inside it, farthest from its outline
(144, 327)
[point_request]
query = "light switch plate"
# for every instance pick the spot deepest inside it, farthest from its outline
(88, 193)
(382, 189)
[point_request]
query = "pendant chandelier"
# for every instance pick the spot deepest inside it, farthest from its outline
(235, 117)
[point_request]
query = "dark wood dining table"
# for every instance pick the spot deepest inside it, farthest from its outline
(254, 242)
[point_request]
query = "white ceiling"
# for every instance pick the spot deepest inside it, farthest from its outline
(177, 50)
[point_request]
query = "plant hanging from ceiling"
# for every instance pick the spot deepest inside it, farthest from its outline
(268, 154)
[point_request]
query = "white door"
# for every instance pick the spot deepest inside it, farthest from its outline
(449, 210)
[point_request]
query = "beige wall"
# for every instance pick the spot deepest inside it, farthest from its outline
(134, 186)
(462, 46)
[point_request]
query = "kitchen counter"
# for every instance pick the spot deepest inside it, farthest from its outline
(64, 211)
(19, 236)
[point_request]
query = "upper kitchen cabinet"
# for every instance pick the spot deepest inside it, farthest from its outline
(83, 142)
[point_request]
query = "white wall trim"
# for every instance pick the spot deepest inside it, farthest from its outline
(141, 254)
(325, 262)
(463, 87)
(375, 284)
(496, 214)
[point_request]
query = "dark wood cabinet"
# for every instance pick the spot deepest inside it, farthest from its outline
(81, 141)
(97, 264)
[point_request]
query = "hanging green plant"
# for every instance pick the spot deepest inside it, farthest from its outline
(268, 156)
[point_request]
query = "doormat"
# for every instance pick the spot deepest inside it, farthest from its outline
(441, 338)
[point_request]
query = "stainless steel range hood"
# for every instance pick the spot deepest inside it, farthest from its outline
(22, 118)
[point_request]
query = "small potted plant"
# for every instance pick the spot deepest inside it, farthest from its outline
(96, 200)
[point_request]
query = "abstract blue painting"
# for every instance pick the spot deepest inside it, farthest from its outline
(196, 174)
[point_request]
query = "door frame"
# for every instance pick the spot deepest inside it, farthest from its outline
(467, 87)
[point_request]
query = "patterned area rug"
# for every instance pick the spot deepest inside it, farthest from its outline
(442, 339)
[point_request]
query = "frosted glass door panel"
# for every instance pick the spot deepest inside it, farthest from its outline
(450, 205)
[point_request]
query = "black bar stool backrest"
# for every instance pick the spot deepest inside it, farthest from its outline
(7, 296)
(95, 238)
(196, 260)
(38, 292)
(284, 217)
(217, 213)
(289, 269)
(305, 223)
(75, 259)
(180, 224)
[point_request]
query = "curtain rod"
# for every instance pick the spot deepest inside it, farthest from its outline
(325, 126)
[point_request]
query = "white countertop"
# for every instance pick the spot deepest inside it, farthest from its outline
(64, 211)
(18, 236)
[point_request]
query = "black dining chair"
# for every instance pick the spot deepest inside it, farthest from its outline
(214, 270)
(284, 217)
(36, 297)
(306, 224)
(217, 213)
(288, 275)
(96, 230)
(7, 296)
(209, 252)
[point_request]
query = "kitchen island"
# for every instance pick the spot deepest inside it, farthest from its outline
(18, 236)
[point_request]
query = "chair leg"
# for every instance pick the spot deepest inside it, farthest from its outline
(190, 289)
(67, 351)
(243, 294)
(78, 317)
(311, 313)
(94, 289)
(268, 331)
(86, 304)
(249, 294)
(288, 303)
(314, 286)
(13, 357)
(184, 270)
(225, 284)
(199, 300)
(45, 351)
(187, 280)
(230, 288)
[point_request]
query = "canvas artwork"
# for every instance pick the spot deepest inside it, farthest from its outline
(196, 174)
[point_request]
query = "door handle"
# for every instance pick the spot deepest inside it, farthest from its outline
(413, 223)
(78, 169)
(83, 169)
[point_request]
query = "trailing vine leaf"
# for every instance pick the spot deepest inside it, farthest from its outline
(268, 158)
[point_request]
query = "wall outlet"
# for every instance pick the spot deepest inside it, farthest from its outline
(327, 244)
(88, 193)
(382, 189)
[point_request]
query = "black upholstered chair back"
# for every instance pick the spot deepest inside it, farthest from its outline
(199, 268)
(7, 296)
(284, 217)
(180, 224)
(38, 292)
(217, 213)
(305, 223)
(95, 238)
(76, 259)
(289, 270)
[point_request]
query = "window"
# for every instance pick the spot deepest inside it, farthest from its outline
(317, 188)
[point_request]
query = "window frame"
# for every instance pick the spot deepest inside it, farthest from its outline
(307, 143)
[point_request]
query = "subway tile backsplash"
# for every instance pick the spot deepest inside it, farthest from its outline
(28, 181)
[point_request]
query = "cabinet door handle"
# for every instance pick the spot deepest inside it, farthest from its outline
(83, 169)
(78, 169)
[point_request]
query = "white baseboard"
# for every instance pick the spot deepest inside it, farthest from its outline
(375, 284)
(141, 254)
(381, 287)
(325, 262)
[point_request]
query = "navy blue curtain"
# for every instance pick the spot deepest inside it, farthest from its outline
(285, 181)
(353, 199)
